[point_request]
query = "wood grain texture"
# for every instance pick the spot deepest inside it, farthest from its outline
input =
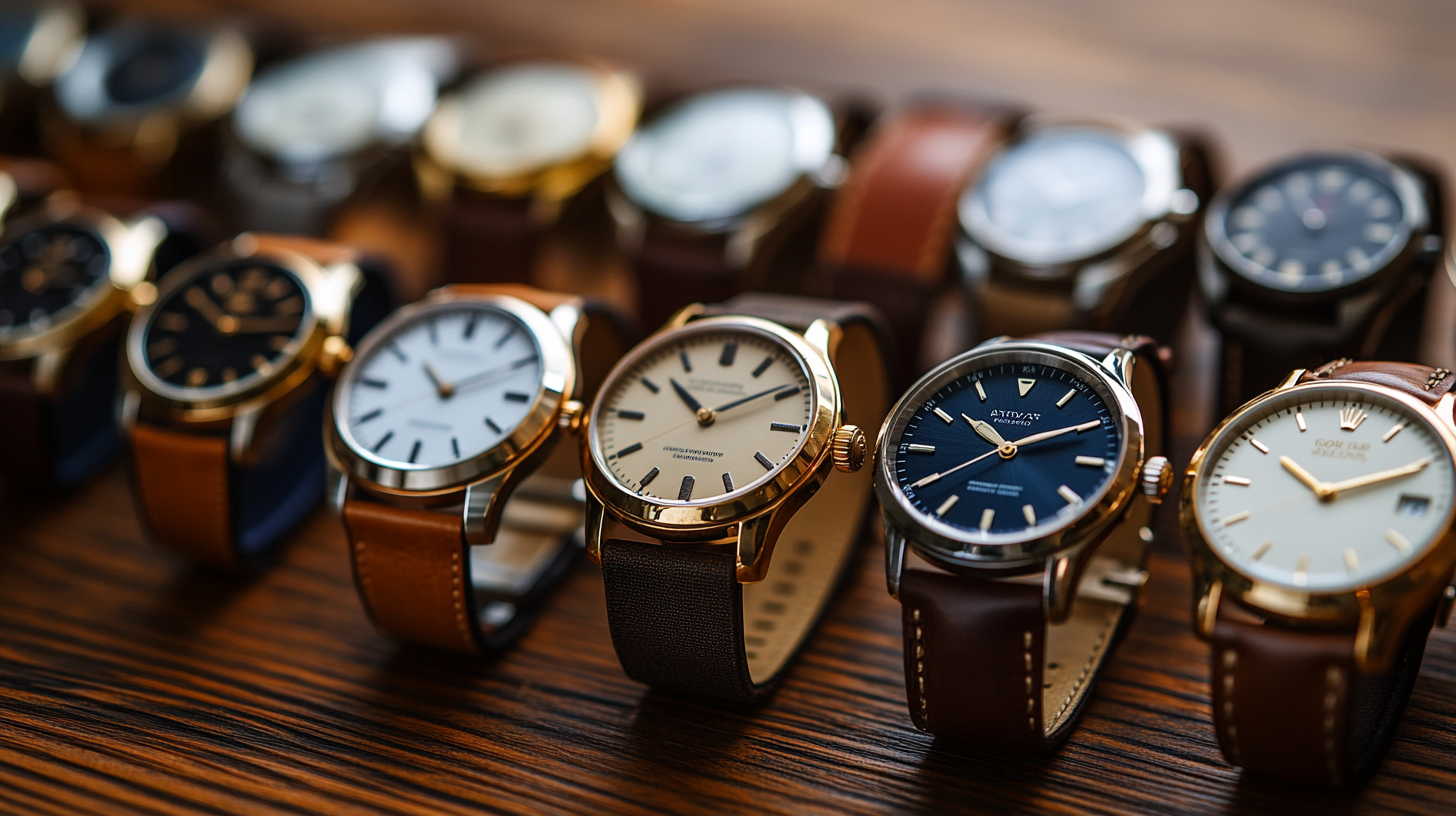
(131, 683)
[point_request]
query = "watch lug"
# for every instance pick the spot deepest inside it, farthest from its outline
(894, 558)
(1205, 610)
(1291, 380)
(595, 522)
(245, 428)
(337, 488)
(756, 538)
(1120, 362)
(823, 336)
(481, 514)
(1059, 586)
(131, 406)
(681, 317)
(993, 341)
(47, 370)
(1377, 638)
(566, 317)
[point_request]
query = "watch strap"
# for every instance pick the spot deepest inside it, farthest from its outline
(489, 239)
(1425, 383)
(417, 576)
(984, 664)
(673, 271)
(888, 234)
(680, 619)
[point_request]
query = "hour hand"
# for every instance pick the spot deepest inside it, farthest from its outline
(688, 399)
(442, 385)
(985, 431)
(1306, 478)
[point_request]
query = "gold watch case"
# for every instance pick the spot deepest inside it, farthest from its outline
(750, 520)
(1381, 612)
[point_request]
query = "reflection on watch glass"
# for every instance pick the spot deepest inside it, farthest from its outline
(527, 118)
(47, 275)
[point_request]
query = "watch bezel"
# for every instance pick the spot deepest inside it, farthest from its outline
(946, 546)
(1240, 272)
(680, 521)
(558, 381)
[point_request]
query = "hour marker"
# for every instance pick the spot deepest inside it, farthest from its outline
(383, 440)
(434, 333)
(944, 416)
(261, 364)
(516, 396)
(1357, 259)
(490, 423)
(647, 480)
(1350, 418)
(1237, 480)
(1390, 434)
(1024, 386)
(783, 426)
(1299, 420)
(1091, 461)
(393, 349)
(1291, 269)
(1236, 518)
(763, 366)
(685, 490)
(1262, 448)
(501, 341)
(1301, 570)
(651, 386)
(415, 451)
(171, 321)
(728, 482)
(375, 414)
(730, 353)
(980, 392)
(1379, 233)
(470, 325)
(987, 516)
(279, 342)
(922, 449)
(786, 393)
(197, 376)
(162, 348)
(374, 383)
(629, 450)
(1066, 398)
(682, 354)
(276, 288)
(1263, 550)
(1398, 541)
(1029, 513)
(168, 367)
(229, 375)
(455, 446)
(946, 505)
(292, 305)
(763, 460)
(1352, 561)
(629, 415)
(1069, 494)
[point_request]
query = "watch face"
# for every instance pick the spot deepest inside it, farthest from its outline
(1003, 446)
(48, 275)
(1386, 473)
(153, 66)
(230, 326)
(445, 386)
(720, 155)
(1057, 196)
(526, 118)
(309, 115)
(1315, 224)
(703, 413)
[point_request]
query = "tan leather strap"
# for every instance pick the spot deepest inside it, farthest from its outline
(887, 237)
(680, 620)
(983, 663)
(419, 579)
(182, 481)
(1422, 382)
(489, 238)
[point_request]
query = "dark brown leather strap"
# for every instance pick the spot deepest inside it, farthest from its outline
(673, 271)
(680, 620)
(418, 578)
(489, 239)
(34, 179)
(1422, 382)
(888, 234)
(182, 483)
(983, 664)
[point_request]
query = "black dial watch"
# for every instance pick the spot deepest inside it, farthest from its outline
(1321, 255)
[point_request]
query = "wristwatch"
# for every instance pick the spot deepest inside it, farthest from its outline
(446, 436)
(70, 276)
(888, 232)
(131, 105)
(708, 193)
(225, 388)
(711, 445)
(1086, 225)
(505, 154)
(313, 132)
(1319, 520)
(1320, 255)
(36, 38)
(1018, 483)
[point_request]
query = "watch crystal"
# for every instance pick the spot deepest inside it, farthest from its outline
(48, 275)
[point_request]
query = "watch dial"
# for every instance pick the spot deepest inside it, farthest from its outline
(1315, 224)
(1387, 473)
(703, 413)
(1005, 447)
(17, 26)
(152, 66)
(310, 115)
(446, 386)
(1057, 196)
(719, 155)
(527, 118)
(47, 275)
(230, 325)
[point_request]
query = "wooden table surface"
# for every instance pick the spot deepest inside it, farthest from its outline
(130, 682)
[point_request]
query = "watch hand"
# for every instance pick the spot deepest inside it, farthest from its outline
(265, 325)
(935, 477)
(735, 403)
(987, 432)
(1376, 478)
(443, 386)
(1008, 449)
(198, 299)
(688, 399)
(1321, 489)
(1044, 435)
(494, 373)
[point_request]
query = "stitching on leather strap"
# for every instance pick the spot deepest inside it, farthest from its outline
(457, 594)
(1231, 734)
(1334, 679)
(1097, 646)
(920, 666)
(1027, 639)
(1328, 369)
(1436, 377)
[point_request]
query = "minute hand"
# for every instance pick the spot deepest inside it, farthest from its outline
(735, 403)
(1384, 475)
(1044, 435)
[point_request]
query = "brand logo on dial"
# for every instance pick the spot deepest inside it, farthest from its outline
(707, 386)
(1023, 418)
(1350, 418)
(1339, 449)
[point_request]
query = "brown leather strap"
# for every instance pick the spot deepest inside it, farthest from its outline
(489, 238)
(34, 179)
(888, 234)
(983, 663)
(182, 482)
(24, 454)
(673, 271)
(1422, 382)
(680, 620)
(418, 578)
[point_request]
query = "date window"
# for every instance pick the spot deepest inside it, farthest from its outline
(1412, 505)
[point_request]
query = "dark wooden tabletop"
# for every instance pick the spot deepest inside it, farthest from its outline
(131, 682)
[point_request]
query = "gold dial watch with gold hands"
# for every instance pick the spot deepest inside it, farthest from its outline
(712, 451)
(1320, 516)
(226, 384)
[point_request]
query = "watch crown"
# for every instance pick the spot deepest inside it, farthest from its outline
(1157, 478)
(336, 353)
(848, 448)
(573, 413)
